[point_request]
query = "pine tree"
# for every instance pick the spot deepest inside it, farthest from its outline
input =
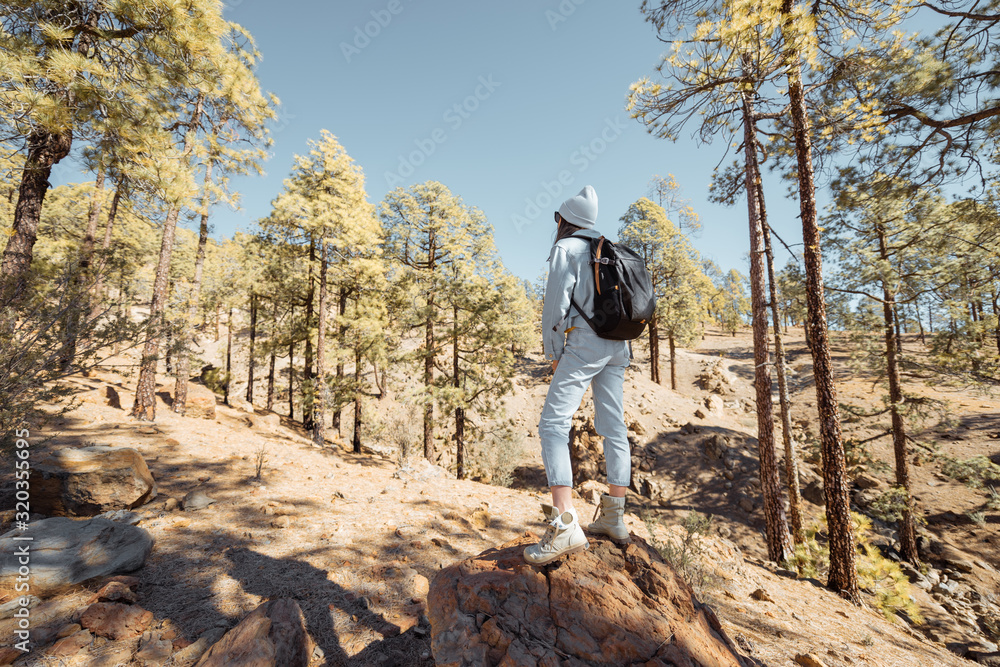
(883, 235)
(70, 69)
(681, 289)
(324, 200)
(228, 95)
(429, 232)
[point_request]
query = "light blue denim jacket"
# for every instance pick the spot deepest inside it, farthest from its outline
(570, 274)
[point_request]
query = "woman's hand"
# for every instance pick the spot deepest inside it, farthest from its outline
(554, 364)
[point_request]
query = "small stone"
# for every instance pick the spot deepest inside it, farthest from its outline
(71, 644)
(761, 595)
(480, 519)
(68, 629)
(196, 500)
(189, 654)
(809, 660)
(116, 621)
(866, 481)
(419, 587)
(154, 650)
(8, 609)
(113, 591)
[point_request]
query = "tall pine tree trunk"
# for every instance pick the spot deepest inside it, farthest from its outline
(145, 398)
(291, 364)
(193, 303)
(673, 360)
(45, 149)
(319, 392)
(843, 574)
(429, 379)
(653, 354)
(308, 386)
(356, 438)
(996, 328)
(459, 411)
(907, 529)
(272, 343)
(779, 546)
(81, 276)
(791, 456)
(105, 249)
(229, 355)
(251, 355)
(341, 328)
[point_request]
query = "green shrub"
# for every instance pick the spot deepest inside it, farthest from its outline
(877, 575)
(973, 472)
(993, 501)
(888, 507)
(497, 455)
(686, 556)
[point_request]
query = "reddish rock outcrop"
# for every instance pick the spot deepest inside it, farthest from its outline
(201, 402)
(272, 635)
(606, 606)
(115, 620)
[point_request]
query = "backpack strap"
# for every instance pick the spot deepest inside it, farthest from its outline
(596, 262)
(589, 321)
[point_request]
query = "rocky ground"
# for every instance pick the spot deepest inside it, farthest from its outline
(247, 510)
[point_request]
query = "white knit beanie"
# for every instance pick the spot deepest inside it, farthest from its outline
(581, 210)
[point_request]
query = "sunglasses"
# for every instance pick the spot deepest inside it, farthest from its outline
(558, 217)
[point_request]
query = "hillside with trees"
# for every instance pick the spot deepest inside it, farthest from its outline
(279, 445)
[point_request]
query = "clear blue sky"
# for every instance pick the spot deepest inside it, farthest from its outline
(535, 83)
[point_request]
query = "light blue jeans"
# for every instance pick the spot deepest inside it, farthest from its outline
(587, 359)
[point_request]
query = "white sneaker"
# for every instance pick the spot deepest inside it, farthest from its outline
(564, 536)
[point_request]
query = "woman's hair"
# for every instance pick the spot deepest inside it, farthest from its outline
(564, 229)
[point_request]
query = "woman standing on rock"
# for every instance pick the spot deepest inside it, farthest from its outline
(579, 360)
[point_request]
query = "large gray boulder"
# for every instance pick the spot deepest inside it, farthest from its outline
(90, 480)
(63, 552)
